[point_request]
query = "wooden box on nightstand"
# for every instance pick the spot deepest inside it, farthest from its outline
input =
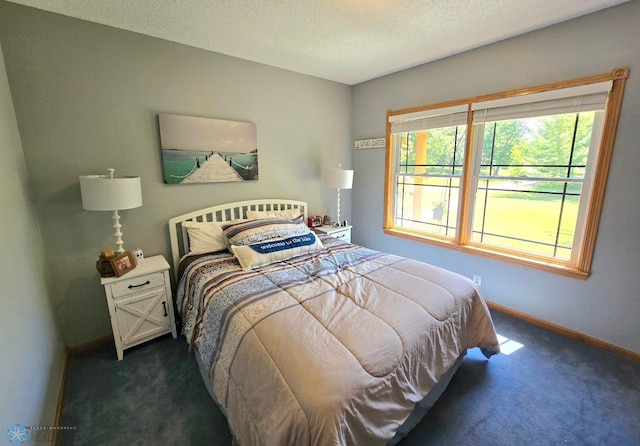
(140, 304)
(341, 232)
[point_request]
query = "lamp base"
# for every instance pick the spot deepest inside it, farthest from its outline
(338, 208)
(118, 234)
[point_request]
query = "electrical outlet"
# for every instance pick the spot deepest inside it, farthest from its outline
(477, 279)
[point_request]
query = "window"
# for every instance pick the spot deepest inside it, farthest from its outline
(516, 175)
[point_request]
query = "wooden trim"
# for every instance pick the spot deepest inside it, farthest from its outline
(58, 415)
(388, 180)
(464, 219)
(627, 354)
(541, 264)
(617, 74)
(612, 116)
(88, 346)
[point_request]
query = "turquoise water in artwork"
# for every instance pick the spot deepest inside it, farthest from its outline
(246, 164)
(178, 164)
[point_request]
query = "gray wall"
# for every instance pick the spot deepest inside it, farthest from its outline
(87, 98)
(607, 305)
(31, 348)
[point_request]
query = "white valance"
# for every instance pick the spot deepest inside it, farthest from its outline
(429, 119)
(591, 97)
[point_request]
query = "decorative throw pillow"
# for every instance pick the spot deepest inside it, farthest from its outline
(266, 252)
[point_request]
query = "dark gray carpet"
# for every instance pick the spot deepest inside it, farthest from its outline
(552, 391)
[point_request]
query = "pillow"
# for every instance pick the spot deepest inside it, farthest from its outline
(285, 213)
(267, 252)
(254, 231)
(204, 237)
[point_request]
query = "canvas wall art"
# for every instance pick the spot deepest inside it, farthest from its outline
(204, 150)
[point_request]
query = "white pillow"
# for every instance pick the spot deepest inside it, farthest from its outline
(285, 213)
(267, 252)
(204, 237)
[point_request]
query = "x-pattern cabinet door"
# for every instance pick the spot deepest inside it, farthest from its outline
(142, 316)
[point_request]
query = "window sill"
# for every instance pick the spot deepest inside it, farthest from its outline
(528, 262)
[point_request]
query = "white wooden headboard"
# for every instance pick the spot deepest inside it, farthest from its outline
(222, 213)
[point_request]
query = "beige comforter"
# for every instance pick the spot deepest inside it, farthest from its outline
(333, 348)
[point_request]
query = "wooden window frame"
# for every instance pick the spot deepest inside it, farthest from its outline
(581, 268)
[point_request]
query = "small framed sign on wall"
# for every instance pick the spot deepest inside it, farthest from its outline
(375, 143)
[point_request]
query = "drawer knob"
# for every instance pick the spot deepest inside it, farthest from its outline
(138, 286)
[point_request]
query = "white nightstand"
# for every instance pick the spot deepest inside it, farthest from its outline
(341, 232)
(140, 304)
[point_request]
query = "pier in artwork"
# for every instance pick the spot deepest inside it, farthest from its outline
(211, 170)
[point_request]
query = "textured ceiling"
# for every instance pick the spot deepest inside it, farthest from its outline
(348, 41)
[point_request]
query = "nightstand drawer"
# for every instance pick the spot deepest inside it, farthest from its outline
(136, 284)
(342, 235)
(341, 232)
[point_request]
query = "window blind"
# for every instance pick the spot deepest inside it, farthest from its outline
(583, 98)
(429, 119)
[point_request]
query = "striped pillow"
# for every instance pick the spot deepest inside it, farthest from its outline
(254, 231)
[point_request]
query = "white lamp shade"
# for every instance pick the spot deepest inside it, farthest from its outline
(336, 178)
(102, 193)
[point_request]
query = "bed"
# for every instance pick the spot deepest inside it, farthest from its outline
(304, 339)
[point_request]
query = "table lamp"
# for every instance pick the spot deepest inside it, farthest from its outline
(109, 193)
(338, 178)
